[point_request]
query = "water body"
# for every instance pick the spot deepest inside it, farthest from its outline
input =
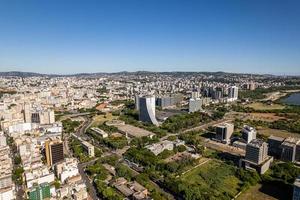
(293, 99)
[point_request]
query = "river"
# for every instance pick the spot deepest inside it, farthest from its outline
(293, 99)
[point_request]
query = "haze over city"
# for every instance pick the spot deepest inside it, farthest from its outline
(65, 37)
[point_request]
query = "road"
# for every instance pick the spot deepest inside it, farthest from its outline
(79, 133)
(205, 126)
(223, 147)
(91, 189)
(84, 126)
(202, 163)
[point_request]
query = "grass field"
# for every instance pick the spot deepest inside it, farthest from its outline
(269, 117)
(100, 119)
(276, 132)
(265, 192)
(214, 176)
(264, 106)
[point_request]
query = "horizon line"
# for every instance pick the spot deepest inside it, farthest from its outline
(125, 71)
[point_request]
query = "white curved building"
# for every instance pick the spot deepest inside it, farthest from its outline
(147, 109)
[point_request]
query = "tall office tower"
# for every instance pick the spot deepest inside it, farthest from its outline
(2, 140)
(27, 113)
(211, 91)
(47, 117)
(147, 109)
(248, 133)
(54, 151)
(168, 101)
(35, 117)
(256, 151)
(195, 95)
(251, 86)
(233, 92)
(218, 93)
(289, 150)
(296, 192)
(224, 132)
(274, 143)
(137, 102)
(51, 117)
(195, 105)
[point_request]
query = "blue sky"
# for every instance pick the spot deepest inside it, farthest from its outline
(70, 36)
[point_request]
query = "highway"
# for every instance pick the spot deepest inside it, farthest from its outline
(81, 167)
(91, 189)
(205, 126)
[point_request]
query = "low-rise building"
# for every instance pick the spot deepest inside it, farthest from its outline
(132, 190)
(157, 148)
(99, 131)
(89, 148)
(7, 187)
(67, 169)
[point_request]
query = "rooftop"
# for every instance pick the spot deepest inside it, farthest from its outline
(134, 131)
(256, 143)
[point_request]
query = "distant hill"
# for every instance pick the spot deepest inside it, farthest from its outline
(20, 74)
(175, 73)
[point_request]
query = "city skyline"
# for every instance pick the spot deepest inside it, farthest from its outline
(101, 36)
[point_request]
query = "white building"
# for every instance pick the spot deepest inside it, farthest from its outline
(89, 148)
(67, 169)
(38, 176)
(224, 132)
(100, 132)
(233, 93)
(19, 128)
(195, 105)
(248, 133)
(157, 148)
(7, 187)
(2, 140)
(147, 109)
(7, 193)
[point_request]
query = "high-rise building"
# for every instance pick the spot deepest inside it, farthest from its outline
(195, 105)
(274, 148)
(54, 150)
(289, 149)
(35, 117)
(137, 102)
(218, 93)
(248, 133)
(296, 191)
(147, 109)
(27, 113)
(2, 140)
(233, 93)
(195, 95)
(38, 116)
(256, 151)
(224, 132)
(257, 156)
(168, 101)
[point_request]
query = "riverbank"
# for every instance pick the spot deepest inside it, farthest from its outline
(291, 99)
(279, 95)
